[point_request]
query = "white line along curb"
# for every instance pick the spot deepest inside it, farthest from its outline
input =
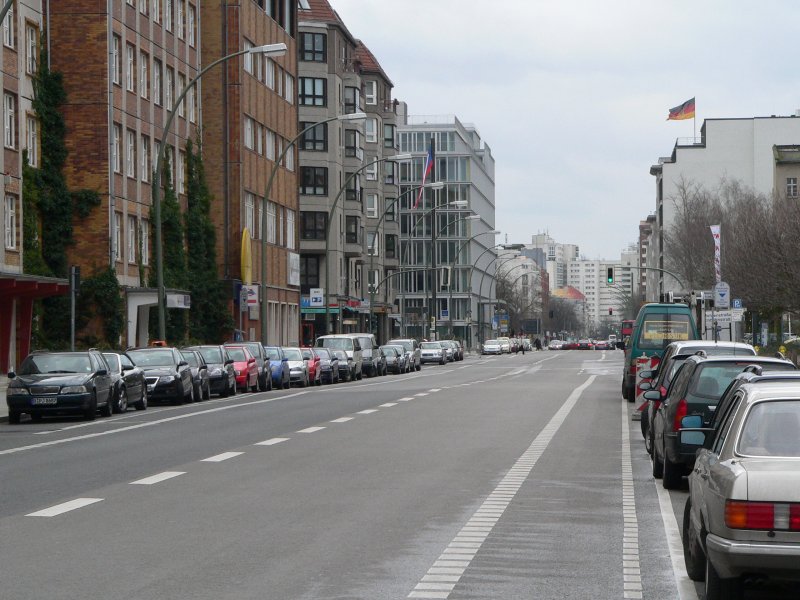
(446, 572)
(631, 569)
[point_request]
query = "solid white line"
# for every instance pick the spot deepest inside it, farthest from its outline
(59, 509)
(311, 430)
(158, 478)
(518, 473)
(342, 420)
(686, 589)
(147, 424)
(271, 442)
(221, 457)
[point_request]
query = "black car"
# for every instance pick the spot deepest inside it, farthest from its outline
(166, 372)
(50, 383)
(201, 386)
(695, 390)
(129, 384)
(221, 374)
(328, 365)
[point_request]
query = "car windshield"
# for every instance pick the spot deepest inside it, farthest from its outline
(307, 354)
(710, 380)
(273, 353)
(431, 345)
(191, 358)
(408, 344)
(338, 343)
(211, 355)
(113, 361)
(772, 428)
(253, 347)
(55, 363)
(492, 342)
(389, 350)
(152, 358)
(237, 354)
(292, 354)
(323, 353)
(366, 342)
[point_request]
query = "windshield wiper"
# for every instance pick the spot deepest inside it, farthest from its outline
(62, 371)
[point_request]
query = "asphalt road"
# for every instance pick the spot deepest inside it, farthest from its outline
(497, 477)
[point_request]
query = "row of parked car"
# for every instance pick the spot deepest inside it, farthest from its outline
(730, 421)
(91, 381)
(505, 345)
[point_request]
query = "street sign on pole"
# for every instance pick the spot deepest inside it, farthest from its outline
(722, 295)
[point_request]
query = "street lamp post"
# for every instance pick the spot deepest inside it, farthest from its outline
(328, 230)
(480, 293)
(454, 266)
(357, 116)
(266, 50)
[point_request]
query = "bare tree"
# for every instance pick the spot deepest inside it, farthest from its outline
(562, 315)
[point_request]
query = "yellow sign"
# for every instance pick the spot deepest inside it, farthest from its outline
(247, 258)
(665, 330)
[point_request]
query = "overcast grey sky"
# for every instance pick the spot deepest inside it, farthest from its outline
(572, 95)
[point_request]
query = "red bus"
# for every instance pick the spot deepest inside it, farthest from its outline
(626, 330)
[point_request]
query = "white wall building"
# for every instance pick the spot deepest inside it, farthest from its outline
(558, 256)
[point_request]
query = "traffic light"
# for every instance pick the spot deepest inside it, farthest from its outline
(610, 274)
(610, 311)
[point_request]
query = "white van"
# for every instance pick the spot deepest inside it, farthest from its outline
(351, 347)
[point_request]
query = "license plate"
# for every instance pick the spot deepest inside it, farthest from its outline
(40, 401)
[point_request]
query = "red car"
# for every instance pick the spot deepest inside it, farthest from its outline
(245, 368)
(312, 361)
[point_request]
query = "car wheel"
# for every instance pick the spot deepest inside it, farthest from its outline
(643, 422)
(14, 417)
(648, 440)
(658, 465)
(419, 366)
(89, 413)
(304, 383)
(692, 553)
(121, 405)
(207, 391)
(269, 383)
(287, 384)
(142, 403)
(672, 475)
(718, 588)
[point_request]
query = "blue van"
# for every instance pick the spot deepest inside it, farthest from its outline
(656, 326)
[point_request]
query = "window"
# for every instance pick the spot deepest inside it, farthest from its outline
(144, 79)
(248, 58)
(389, 173)
(143, 6)
(315, 139)
(131, 233)
(191, 25)
(117, 158)
(168, 88)
(130, 63)
(290, 226)
(371, 92)
(372, 243)
(372, 171)
(391, 246)
(8, 28)
(10, 221)
(248, 133)
(309, 273)
(180, 20)
(181, 166)
(249, 213)
(145, 162)
(117, 236)
(352, 143)
(313, 225)
(312, 47)
(791, 187)
(157, 11)
(352, 100)
(351, 230)
(144, 241)
(313, 91)
(32, 47)
(270, 145)
(372, 206)
(192, 101)
(391, 209)
(388, 136)
(269, 74)
(259, 134)
(271, 222)
(181, 87)
(288, 89)
(172, 168)
(130, 153)
(314, 181)
(116, 64)
(168, 15)
(289, 158)
(32, 140)
(157, 82)
(353, 189)
(371, 130)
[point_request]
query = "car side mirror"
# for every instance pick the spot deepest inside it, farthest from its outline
(654, 395)
(128, 367)
(251, 361)
(183, 363)
(284, 359)
(201, 367)
(647, 374)
(101, 372)
(11, 374)
(645, 385)
(692, 439)
(692, 422)
(229, 362)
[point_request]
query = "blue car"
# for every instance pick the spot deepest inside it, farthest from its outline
(279, 366)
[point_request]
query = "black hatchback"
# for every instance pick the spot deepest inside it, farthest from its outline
(50, 383)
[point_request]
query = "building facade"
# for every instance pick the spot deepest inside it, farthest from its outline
(461, 217)
(557, 257)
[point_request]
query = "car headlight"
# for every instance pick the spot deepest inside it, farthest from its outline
(166, 378)
(237, 372)
(18, 391)
(215, 371)
(74, 389)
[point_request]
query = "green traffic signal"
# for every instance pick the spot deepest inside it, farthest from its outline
(610, 275)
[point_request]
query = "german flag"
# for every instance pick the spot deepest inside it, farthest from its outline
(682, 111)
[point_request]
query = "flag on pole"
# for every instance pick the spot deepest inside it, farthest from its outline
(682, 111)
(716, 233)
(425, 172)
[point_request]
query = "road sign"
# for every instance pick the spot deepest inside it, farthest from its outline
(316, 297)
(722, 295)
(737, 303)
(724, 317)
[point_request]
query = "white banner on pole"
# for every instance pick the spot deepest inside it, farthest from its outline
(715, 232)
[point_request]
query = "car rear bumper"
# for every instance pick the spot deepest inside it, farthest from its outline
(732, 559)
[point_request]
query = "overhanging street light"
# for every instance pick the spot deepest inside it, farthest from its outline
(455, 265)
(266, 50)
(396, 157)
(356, 116)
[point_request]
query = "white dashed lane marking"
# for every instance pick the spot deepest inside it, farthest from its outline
(421, 394)
(389, 405)
(342, 420)
(311, 430)
(271, 442)
(368, 411)
(59, 509)
(404, 399)
(221, 457)
(158, 478)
